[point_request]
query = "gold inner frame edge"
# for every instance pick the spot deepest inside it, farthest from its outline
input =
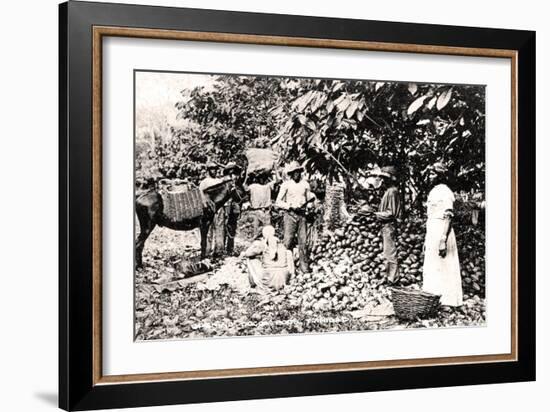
(99, 32)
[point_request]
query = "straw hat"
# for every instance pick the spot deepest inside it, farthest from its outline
(440, 167)
(386, 171)
(294, 166)
(231, 166)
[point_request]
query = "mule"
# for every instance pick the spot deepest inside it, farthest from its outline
(149, 210)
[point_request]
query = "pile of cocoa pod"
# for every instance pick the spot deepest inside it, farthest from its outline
(348, 269)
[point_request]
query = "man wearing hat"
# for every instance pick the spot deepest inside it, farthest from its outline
(389, 212)
(211, 178)
(232, 170)
(232, 208)
(215, 232)
(295, 197)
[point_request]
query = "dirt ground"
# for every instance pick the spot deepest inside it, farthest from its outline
(170, 304)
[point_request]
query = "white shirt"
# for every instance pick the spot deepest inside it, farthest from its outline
(293, 194)
(260, 195)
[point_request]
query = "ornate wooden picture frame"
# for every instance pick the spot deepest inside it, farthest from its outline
(82, 383)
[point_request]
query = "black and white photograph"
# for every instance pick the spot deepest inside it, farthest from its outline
(274, 205)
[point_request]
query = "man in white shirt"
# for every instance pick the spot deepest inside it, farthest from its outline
(295, 197)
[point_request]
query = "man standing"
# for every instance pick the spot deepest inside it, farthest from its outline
(295, 197)
(216, 231)
(210, 180)
(260, 202)
(232, 208)
(389, 212)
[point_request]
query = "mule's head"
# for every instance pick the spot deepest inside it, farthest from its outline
(238, 194)
(233, 189)
(224, 191)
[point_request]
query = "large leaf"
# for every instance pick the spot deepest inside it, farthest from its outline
(315, 139)
(317, 101)
(417, 104)
(343, 104)
(431, 103)
(330, 106)
(308, 99)
(302, 119)
(310, 124)
(276, 111)
(444, 98)
(301, 102)
(351, 109)
(349, 123)
(337, 86)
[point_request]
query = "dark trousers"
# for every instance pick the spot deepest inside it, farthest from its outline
(295, 226)
(389, 237)
(233, 212)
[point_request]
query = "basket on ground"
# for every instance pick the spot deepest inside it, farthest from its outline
(411, 304)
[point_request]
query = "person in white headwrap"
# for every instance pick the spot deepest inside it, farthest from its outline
(270, 264)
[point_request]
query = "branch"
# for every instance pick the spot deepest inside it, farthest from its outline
(338, 163)
(374, 121)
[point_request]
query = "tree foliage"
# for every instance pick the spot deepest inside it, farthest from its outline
(337, 125)
(333, 127)
(234, 116)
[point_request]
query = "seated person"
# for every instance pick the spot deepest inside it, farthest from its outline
(269, 263)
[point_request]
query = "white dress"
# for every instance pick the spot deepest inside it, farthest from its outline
(441, 276)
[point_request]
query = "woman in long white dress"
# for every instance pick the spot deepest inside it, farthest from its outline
(441, 271)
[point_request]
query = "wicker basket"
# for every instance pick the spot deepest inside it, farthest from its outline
(182, 205)
(411, 304)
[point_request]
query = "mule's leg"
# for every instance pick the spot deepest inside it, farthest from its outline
(146, 226)
(205, 225)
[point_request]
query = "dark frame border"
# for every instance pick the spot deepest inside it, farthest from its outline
(78, 390)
